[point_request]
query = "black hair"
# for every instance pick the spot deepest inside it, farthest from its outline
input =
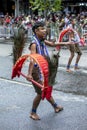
(37, 24)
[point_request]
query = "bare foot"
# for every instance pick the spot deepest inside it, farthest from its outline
(76, 68)
(34, 116)
(68, 70)
(58, 109)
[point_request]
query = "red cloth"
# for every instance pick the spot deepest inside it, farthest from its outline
(58, 47)
(46, 93)
(7, 20)
(82, 41)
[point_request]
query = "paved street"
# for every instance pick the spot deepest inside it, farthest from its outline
(15, 105)
(17, 95)
(65, 20)
(64, 55)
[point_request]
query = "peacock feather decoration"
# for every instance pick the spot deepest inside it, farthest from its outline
(19, 43)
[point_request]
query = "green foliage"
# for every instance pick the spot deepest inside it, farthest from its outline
(42, 5)
(56, 5)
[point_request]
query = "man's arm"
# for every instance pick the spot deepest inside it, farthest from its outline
(54, 44)
(32, 51)
(84, 34)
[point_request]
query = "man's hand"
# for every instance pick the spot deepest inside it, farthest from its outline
(71, 42)
(29, 77)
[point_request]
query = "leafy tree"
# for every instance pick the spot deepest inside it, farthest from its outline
(46, 5)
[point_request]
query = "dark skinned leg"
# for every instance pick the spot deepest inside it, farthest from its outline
(56, 107)
(77, 61)
(35, 105)
(69, 62)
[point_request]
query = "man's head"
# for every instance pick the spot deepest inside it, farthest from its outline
(73, 21)
(39, 29)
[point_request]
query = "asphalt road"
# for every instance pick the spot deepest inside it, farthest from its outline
(16, 98)
(67, 82)
(15, 105)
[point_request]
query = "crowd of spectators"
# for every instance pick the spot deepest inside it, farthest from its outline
(55, 22)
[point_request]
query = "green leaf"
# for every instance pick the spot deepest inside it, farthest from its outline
(43, 5)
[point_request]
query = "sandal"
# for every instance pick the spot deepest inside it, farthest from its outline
(58, 109)
(34, 116)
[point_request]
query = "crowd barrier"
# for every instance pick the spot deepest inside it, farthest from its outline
(8, 32)
(84, 31)
(5, 32)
